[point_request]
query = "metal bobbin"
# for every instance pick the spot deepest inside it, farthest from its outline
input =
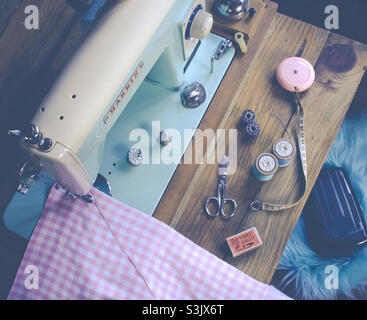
(248, 119)
(253, 130)
(248, 116)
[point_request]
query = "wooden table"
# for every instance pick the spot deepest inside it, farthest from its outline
(251, 84)
(31, 60)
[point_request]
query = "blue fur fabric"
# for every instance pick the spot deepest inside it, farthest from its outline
(300, 264)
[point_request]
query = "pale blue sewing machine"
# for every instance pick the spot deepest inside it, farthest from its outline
(129, 74)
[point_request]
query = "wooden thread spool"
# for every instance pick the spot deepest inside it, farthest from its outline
(265, 167)
(284, 151)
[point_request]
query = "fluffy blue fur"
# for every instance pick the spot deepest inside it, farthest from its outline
(300, 262)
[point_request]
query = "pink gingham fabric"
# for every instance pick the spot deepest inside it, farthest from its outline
(108, 250)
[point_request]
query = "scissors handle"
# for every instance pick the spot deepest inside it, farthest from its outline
(217, 206)
(232, 204)
(220, 207)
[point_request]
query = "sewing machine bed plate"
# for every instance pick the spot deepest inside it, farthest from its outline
(150, 103)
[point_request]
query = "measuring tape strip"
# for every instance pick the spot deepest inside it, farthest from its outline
(258, 205)
(296, 75)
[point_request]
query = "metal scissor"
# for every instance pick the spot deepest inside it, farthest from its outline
(220, 200)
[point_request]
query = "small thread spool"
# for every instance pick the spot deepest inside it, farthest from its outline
(284, 150)
(248, 119)
(248, 116)
(253, 130)
(265, 167)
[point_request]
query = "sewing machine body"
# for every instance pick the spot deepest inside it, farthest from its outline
(101, 97)
(79, 112)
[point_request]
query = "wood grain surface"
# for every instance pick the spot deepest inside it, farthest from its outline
(326, 104)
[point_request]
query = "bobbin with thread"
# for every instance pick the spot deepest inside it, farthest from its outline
(265, 167)
(284, 151)
(248, 119)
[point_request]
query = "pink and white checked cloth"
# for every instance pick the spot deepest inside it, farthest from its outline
(108, 250)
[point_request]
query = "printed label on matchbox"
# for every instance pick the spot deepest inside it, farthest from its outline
(244, 241)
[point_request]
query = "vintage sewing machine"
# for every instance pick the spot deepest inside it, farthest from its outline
(120, 90)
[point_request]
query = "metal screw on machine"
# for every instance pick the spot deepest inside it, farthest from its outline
(193, 95)
(135, 157)
(252, 12)
(164, 138)
(88, 198)
(45, 144)
(224, 46)
(31, 134)
(28, 175)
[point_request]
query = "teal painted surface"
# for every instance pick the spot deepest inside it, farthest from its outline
(140, 187)
(24, 211)
(163, 60)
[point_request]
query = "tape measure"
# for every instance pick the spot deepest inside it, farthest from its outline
(295, 75)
